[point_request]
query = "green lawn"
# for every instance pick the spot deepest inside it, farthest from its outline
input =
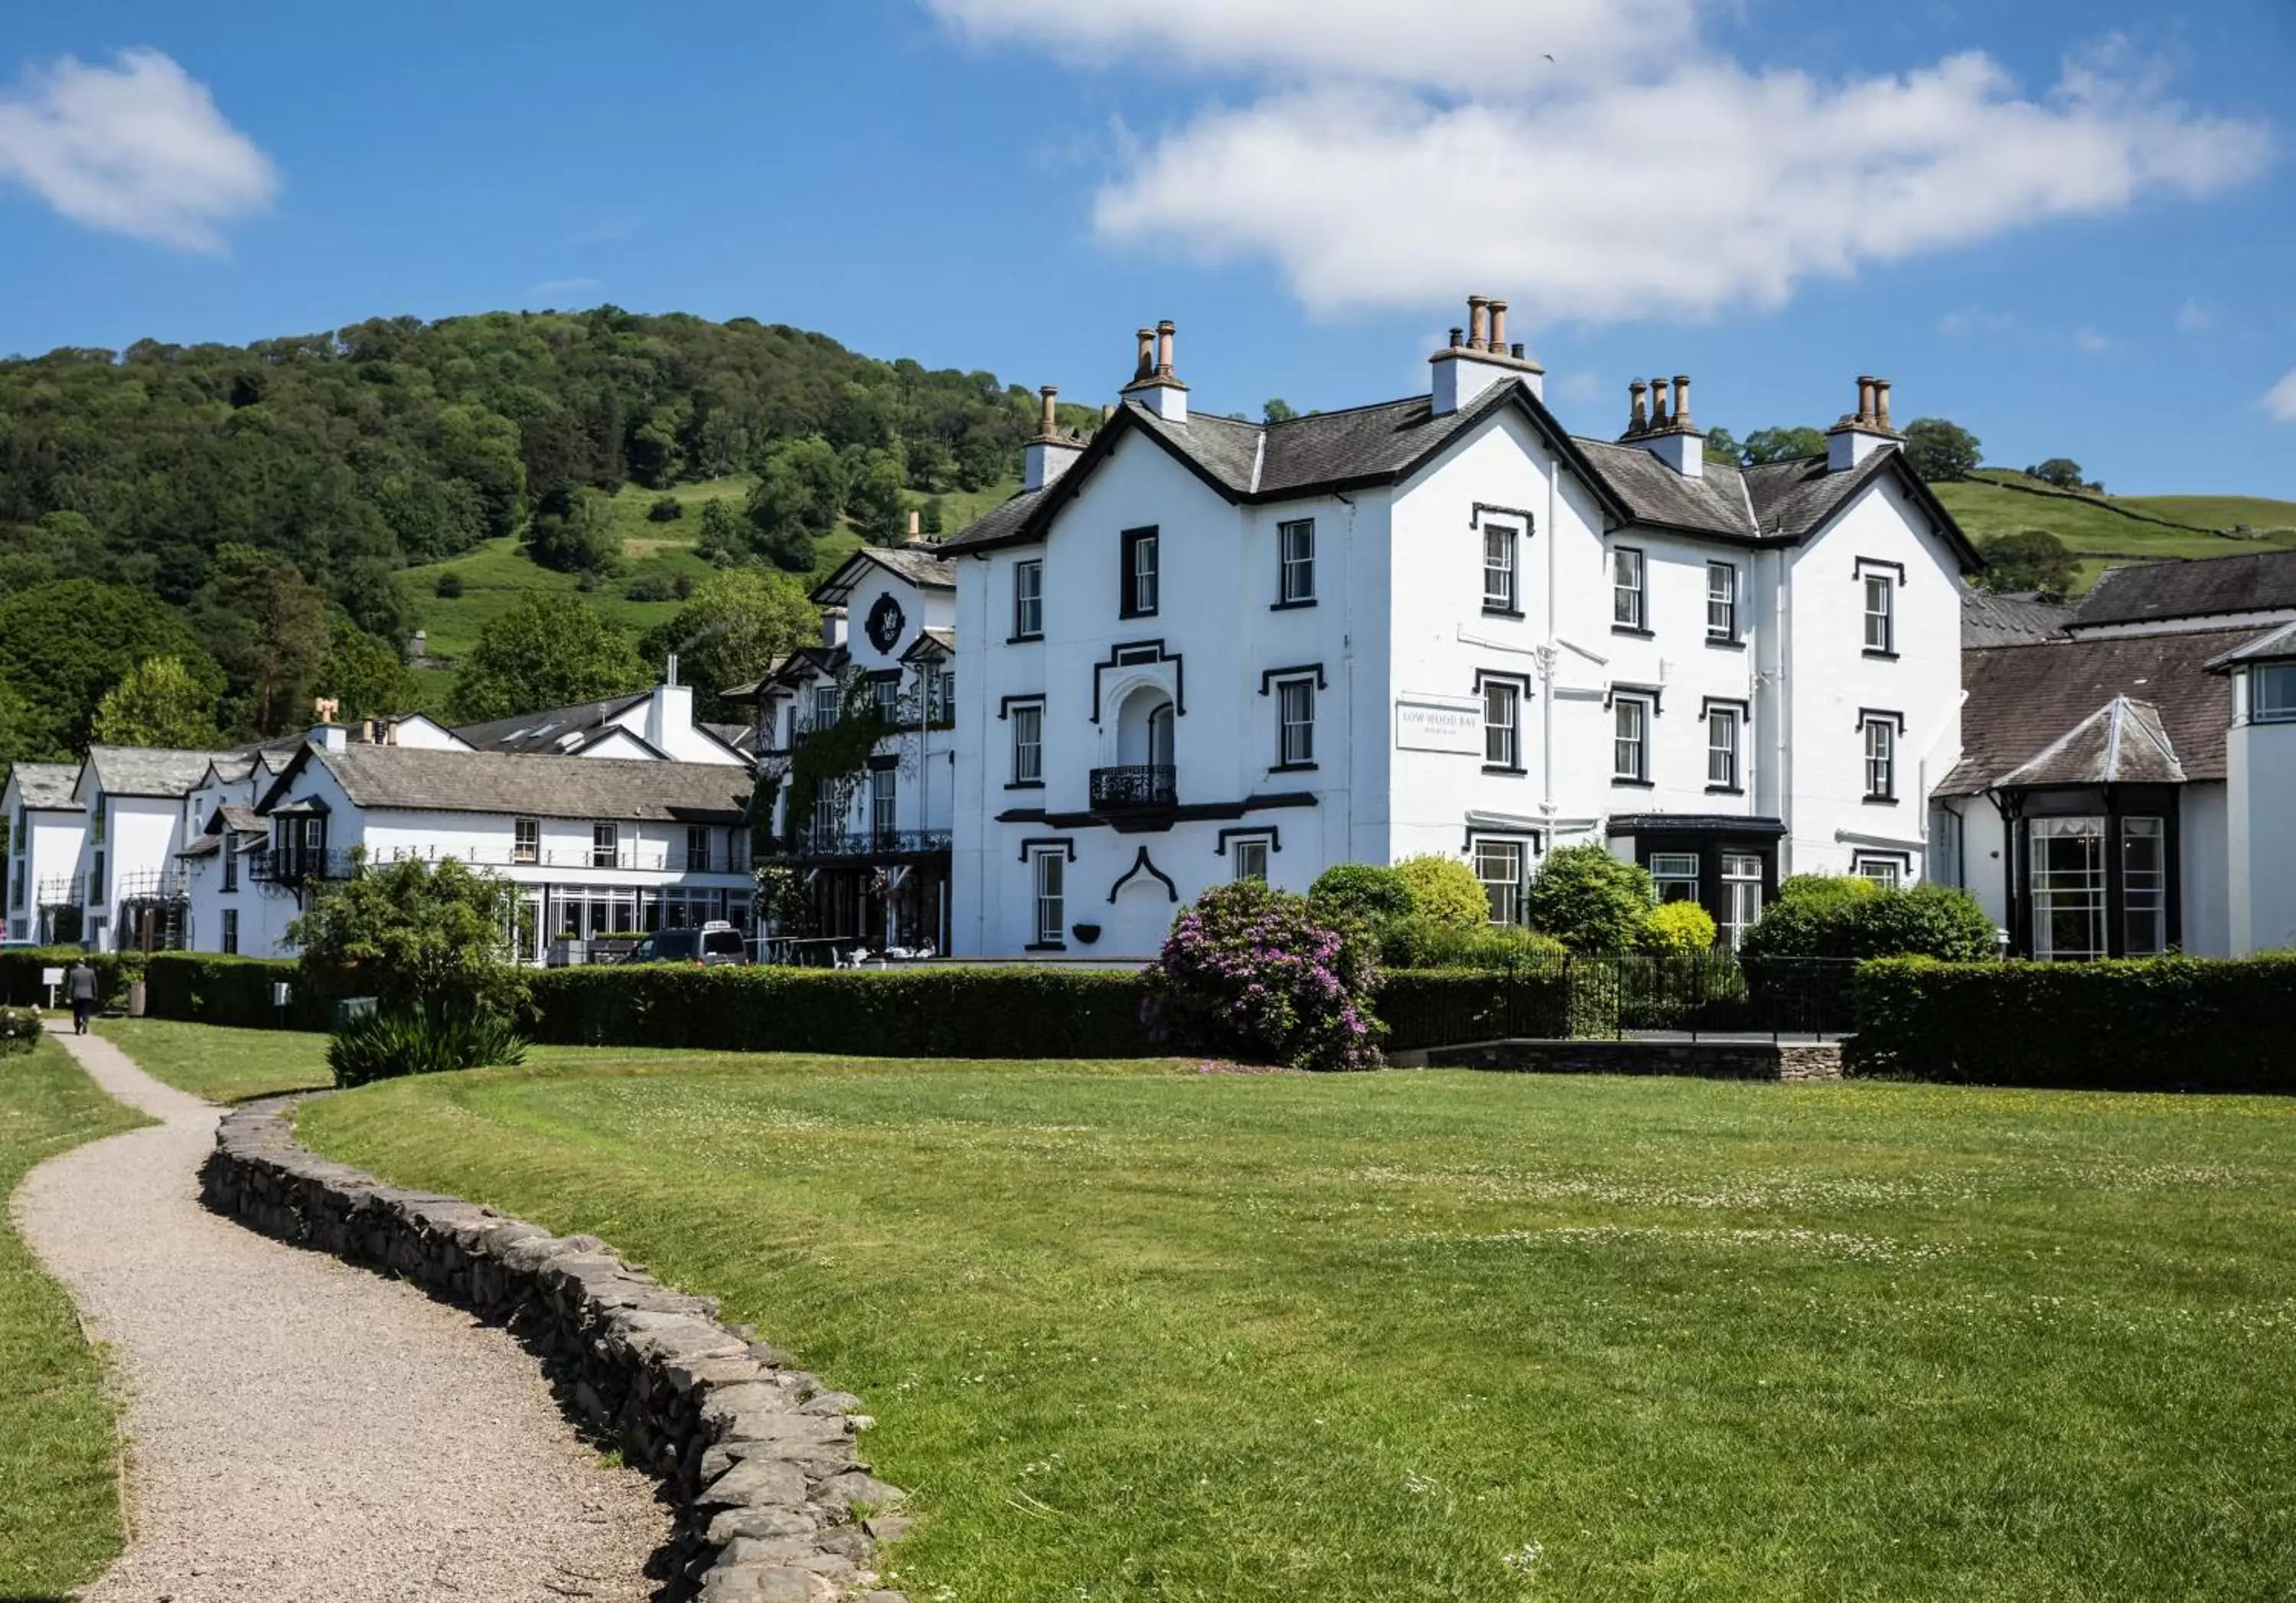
(59, 1448)
(1133, 1332)
(2104, 537)
(220, 1065)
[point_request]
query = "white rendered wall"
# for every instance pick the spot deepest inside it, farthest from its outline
(2204, 864)
(2260, 786)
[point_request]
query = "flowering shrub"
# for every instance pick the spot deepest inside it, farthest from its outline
(20, 1027)
(1267, 976)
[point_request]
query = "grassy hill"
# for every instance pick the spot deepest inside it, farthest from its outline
(495, 574)
(2110, 530)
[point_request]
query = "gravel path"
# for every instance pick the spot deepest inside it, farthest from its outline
(303, 1432)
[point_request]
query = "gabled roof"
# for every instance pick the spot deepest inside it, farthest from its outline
(1794, 500)
(2021, 700)
(932, 641)
(148, 771)
(2121, 743)
(1713, 503)
(415, 779)
(917, 564)
(550, 731)
(739, 738)
(1248, 463)
(2262, 581)
(2278, 646)
(46, 785)
(229, 768)
(1990, 619)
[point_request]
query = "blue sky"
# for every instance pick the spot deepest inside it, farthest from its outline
(2070, 226)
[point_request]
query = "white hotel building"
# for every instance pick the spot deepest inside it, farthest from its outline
(1196, 648)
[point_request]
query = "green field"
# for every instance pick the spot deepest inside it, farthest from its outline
(221, 1065)
(1134, 1332)
(2098, 528)
(59, 1452)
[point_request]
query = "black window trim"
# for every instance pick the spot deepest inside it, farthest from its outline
(1640, 627)
(1127, 594)
(1003, 711)
(1250, 832)
(1292, 603)
(1516, 540)
(1897, 574)
(1736, 638)
(1310, 674)
(1522, 683)
(1648, 695)
(1744, 711)
(1018, 636)
(1879, 715)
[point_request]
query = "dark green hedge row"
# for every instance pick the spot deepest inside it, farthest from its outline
(209, 988)
(21, 966)
(2156, 1023)
(1446, 1006)
(952, 1012)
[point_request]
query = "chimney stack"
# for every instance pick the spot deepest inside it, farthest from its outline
(1860, 433)
(1047, 429)
(1666, 433)
(1682, 404)
(1479, 323)
(916, 527)
(1480, 356)
(1498, 326)
(1865, 397)
(1881, 406)
(1107, 410)
(1637, 408)
(1050, 454)
(1661, 417)
(1156, 385)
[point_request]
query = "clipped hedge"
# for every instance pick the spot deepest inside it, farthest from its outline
(21, 966)
(2154, 1024)
(938, 1011)
(209, 988)
(1425, 1008)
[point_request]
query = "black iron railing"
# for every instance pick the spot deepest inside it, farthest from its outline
(1138, 784)
(1695, 996)
(866, 842)
(154, 884)
(64, 891)
(295, 865)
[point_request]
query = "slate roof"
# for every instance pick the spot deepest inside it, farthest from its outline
(2262, 581)
(742, 738)
(1001, 522)
(2276, 645)
(1990, 619)
(2121, 743)
(920, 564)
(2019, 701)
(244, 819)
(1714, 503)
(48, 784)
(932, 636)
(545, 733)
(411, 777)
(148, 771)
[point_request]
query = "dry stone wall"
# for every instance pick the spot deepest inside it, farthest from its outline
(775, 1502)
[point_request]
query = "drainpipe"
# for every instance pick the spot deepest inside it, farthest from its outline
(1547, 657)
(1348, 673)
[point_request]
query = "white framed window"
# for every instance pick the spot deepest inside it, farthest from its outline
(887, 693)
(1499, 591)
(1880, 758)
(231, 932)
(884, 798)
(1295, 578)
(1741, 896)
(2065, 873)
(1251, 858)
(697, 849)
(1880, 613)
(1295, 702)
(1626, 610)
(2143, 887)
(1142, 573)
(824, 706)
(1047, 867)
(1028, 599)
(1886, 872)
(1630, 738)
(1722, 724)
(525, 841)
(2272, 694)
(1027, 744)
(605, 845)
(1502, 724)
(1722, 600)
(1501, 864)
(1676, 874)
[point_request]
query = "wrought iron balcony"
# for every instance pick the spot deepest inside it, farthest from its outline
(295, 865)
(1139, 785)
(66, 890)
(864, 844)
(156, 884)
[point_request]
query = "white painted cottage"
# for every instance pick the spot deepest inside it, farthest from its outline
(46, 827)
(1196, 648)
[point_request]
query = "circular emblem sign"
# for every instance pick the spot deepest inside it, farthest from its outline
(885, 621)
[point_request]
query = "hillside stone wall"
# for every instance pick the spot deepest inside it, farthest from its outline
(776, 1501)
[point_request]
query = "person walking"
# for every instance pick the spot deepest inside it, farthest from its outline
(79, 985)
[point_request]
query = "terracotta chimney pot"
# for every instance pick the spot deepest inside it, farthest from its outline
(1637, 407)
(1164, 332)
(1881, 406)
(1661, 417)
(1049, 392)
(1682, 401)
(1479, 323)
(1865, 397)
(1498, 326)
(1147, 365)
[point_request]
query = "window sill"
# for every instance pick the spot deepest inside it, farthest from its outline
(1291, 606)
(1024, 785)
(1881, 800)
(1515, 768)
(1045, 946)
(1880, 656)
(1634, 629)
(1024, 640)
(1725, 790)
(1291, 768)
(1640, 785)
(1501, 612)
(1726, 642)
(1129, 617)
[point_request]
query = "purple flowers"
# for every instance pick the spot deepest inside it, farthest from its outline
(1268, 976)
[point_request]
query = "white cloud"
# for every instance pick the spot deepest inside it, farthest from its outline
(2280, 400)
(1405, 155)
(2092, 340)
(2194, 318)
(1959, 325)
(136, 148)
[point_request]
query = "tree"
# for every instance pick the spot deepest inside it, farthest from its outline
(2033, 559)
(2063, 472)
(734, 627)
(363, 675)
(1374, 893)
(1590, 901)
(414, 937)
(800, 487)
(23, 738)
(720, 539)
(874, 502)
(62, 646)
(1722, 446)
(1277, 410)
(1783, 445)
(158, 703)
(267, 625)
(570, 534)
(1939, 450)
(548, 650)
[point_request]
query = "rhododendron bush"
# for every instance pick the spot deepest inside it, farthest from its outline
(1265, 977)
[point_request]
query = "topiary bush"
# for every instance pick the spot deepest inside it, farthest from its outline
(420, 1040)
(1445, 889)
(1589, 900)
(1419, 942)
(20, 1029)
(1831, 921)
(1267, 976)
(1677, 929)
(1375, 894)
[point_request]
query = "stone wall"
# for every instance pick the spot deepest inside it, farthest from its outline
(1706, 1059)
(776, 1503)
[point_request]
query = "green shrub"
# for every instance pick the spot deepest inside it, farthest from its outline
(1827, 890)
(1375, 894)
(417, 1040)
(19, 1028)
(1445, 889)
(1923, 921)
(21, 966)
(1445, 1008)
(415, 935)
(665, 509)
(942, 1011)
(1678, 929)
(208, 988)
(1590, 901)
(447, 585)
(2156, 1023)
(1261, 975)
(1421, 943)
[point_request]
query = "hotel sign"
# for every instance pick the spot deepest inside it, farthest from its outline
(1438, 723)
